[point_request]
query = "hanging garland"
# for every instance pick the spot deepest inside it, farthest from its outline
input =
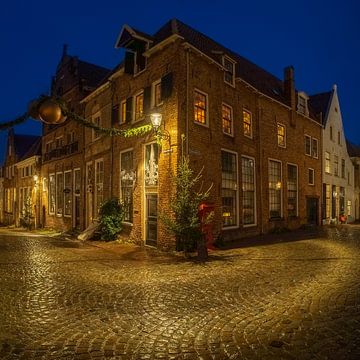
(54, 111)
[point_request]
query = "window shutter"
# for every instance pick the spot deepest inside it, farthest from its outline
(166, 86)
(147, 99)
(115, 114)
(129, 62)
(129, 103)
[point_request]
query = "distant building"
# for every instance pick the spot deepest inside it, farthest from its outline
(354, 153)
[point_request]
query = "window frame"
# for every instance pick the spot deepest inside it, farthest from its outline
(56, 194)
(96, 135)
(122, 115)
(281, 188)
(327, 161)
(49, 194)
(245, 110)
(297, 188)
(96, 205)
(309, 137)
(277, 134)
(317, 148)
(233, 62)
(255, 193)
(313, 176)
(231, 134)
(206, 123)
(153, 94)
(71, 194)
(142, 117)
(120, 187)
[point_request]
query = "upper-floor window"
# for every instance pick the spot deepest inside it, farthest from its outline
(123, 112)
(227, 119)
(331, 134)
(97, 122)
(229, 75)
(59, 142)
(247, 123)
(139, 106)
(314, 148)
(339, 138)
(281, 135)
(308, 145)
(311, 176)
(343, 168)
(275, 186)
(70, 137)
(336, 165)
(302, 104)
(48, 146)
(327, 162)
(156, 93)
(200, 107)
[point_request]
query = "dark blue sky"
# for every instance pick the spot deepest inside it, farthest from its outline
(320, 38)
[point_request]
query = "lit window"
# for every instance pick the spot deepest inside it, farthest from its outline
(52, 194)
(59, 193)
(327, 162)
(229, 75)
(229, 188)
(281, 135)
(67, 193)
(248, 190)
(327, 201)
(151, 167)
(156, 94)
(123, 112)
(314, 148)
(200, 107)
(311, 176)
(336, 165)
(275, 185)
(348, 208)
(139, 106)
(127, 180)
(99, 185)
(247, 123)
(307, 145)
(292, 190)
(227, 121)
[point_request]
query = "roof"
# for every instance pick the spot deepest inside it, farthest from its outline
(353, 150)
(320, 103)
(34, 150)
(92, 74)
(23, 144)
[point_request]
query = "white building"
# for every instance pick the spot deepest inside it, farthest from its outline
(338, 169)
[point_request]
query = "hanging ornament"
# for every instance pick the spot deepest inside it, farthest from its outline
(50, 112)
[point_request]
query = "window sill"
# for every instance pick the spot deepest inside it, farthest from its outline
(276, 219)
(140, 72)
(249, 225)
(249, 136)
(233, 227)
(227, 134)
(201, 124)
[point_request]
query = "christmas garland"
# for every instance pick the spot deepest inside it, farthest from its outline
(17, 121)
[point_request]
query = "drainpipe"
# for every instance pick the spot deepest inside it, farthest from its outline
(187, 102)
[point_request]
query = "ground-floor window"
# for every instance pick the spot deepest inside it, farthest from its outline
(99, 185)
(248, 190)
(292, 190)
(127, 179)
(348, 208)
(327, 201)
(67, 193)
(59, 194)
(275, 185)
(151, 165)
(342, 200)
(52, 194)
(229, 188)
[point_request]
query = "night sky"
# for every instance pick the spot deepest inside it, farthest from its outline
(319, 38)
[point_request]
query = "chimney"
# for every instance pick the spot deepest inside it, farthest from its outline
(289, 86)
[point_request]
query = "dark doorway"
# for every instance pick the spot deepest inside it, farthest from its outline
(312, 211)
(151, 219)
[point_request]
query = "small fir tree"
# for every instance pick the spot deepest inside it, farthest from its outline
(26, 218)
(111, 216)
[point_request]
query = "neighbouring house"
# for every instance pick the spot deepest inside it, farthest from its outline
(257, 138)
(62, 198)
(354, 153)
(21, 172)
(338, 195)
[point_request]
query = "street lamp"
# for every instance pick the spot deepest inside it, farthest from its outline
(156, 120)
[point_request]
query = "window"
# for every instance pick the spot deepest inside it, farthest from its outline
(327, 162)
(281, 135)
(229, 188)
(229, 75)
(311, 176)
(70, 137)
(139, 106)
(52, 194)
(127, 180)
(227, 119)
(59, 193)
(314, 148)
(156, 94)
(77, 182)
(67, 193)
(99, 185)
(307, 145)
(342, 200)
(123, 112)
(348, 212)
(349, 180)
(275, 186)
(336, 165)
(59, 142)
(151, 164)
(247, 123)
(200, 107)
(339, 138)
(248, 190)
(343, 168)
(302, 105)
(97, 122)
(327, 201)
(48, 147)
(292, 190)
(331, 134)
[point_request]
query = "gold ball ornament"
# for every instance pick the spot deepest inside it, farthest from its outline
(50, 112)
(33, 109)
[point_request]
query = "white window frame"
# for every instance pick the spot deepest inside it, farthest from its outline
(231, 134)
(153, 87)
(134, 120)
(236, 226)
(281, 189)
(206, 124)
(255, 193)
(317, 148)
(297, 186)
(327, 172)
(49, 207)
(313, 177)
(56, 194)
(120, 192)
(307, 136)
(122, 120)
(251, 123)
(71, 211)
(95, 215)
(225, 57)
(277, 134)
(302, 95)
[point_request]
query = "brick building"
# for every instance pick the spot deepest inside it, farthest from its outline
(63, 147)
(256, 137)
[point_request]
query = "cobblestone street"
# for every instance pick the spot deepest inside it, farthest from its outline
(63, 299)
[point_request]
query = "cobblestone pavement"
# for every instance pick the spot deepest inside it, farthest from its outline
(63, 299)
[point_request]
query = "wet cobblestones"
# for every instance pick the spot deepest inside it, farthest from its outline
(68, 300)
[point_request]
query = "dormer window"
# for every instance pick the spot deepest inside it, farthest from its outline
(302, 107)
(229, 74)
